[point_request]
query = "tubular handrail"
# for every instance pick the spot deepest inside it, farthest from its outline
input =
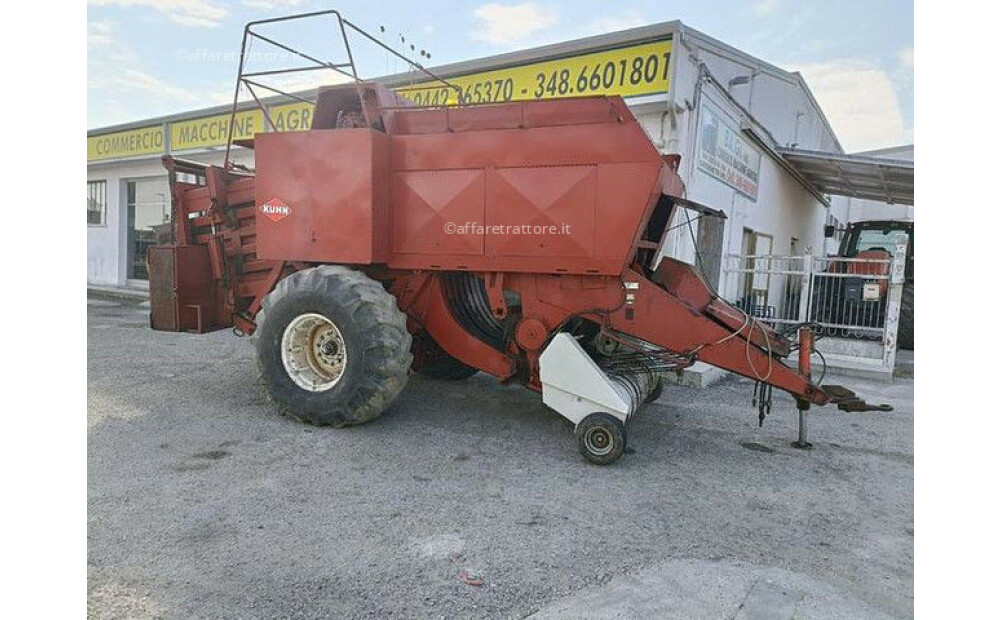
(347, 69)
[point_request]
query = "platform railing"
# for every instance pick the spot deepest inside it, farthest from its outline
(255, 81)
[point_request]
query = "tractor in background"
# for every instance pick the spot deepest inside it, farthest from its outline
(862, 298)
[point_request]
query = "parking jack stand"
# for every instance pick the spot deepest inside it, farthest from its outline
(803, 442)
(805, 369)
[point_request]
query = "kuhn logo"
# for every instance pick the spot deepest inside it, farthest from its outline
(275, 209)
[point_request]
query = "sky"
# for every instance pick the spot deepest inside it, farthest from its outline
(149, 58)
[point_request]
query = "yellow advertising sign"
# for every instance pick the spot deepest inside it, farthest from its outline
(627, 71)
(142, 141)
(214, 130)
(292, 116)
(642, 69)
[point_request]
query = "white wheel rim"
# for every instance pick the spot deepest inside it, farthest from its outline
(599, 441)
(313, 352)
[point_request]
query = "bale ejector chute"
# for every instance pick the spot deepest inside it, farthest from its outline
(523, 239)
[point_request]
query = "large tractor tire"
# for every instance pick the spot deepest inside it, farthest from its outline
(333, 348)
(430, 360)
(904, 335)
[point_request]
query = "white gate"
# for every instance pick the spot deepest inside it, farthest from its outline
(853, 302)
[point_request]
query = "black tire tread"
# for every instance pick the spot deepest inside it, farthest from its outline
(386, 352)
(904, 335)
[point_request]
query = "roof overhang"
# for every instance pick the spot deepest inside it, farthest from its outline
(856, 176)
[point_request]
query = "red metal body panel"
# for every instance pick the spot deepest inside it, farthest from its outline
(565, 178)
(465, 189)
(184, 294)
(182, 291)
(333, 185)
(521, 115)
(424, 300)
(425, 202)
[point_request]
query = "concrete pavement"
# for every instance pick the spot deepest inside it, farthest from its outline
(203, 502)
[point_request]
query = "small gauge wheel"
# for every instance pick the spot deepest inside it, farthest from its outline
(601, 438)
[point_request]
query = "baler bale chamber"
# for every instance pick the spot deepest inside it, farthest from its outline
(522, 239)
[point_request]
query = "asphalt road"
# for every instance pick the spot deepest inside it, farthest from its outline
(205, 503)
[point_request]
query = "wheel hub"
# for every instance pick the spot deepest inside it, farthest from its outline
(598, 441)
(313, 352)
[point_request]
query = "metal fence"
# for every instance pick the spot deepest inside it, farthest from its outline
(854, 300)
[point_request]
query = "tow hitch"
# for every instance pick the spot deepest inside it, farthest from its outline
(847, 400)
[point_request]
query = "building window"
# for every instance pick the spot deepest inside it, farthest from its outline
(147, 209)
(97, 203)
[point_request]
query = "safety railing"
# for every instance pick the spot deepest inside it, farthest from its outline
(849, 296)
(854, 303)
(346, 67)
(772, 289)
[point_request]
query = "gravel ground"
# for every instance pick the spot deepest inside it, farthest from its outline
(205, 503)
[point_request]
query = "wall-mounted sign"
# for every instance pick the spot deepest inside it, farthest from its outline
(291, 116)
(144, 141)
(725, 154)
(642, 69)
(214, 130)
(627, 71)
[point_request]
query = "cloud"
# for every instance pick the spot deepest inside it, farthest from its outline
(510, 24)
(98, 34)
(305, 83)
(115, 75)
(765, 7)
(268, 5)
(527, 24)
(201, 13)
(902, 74)
(905, 56)
(139, 81)
(624, 21)
(860, 101)
(117, 80)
